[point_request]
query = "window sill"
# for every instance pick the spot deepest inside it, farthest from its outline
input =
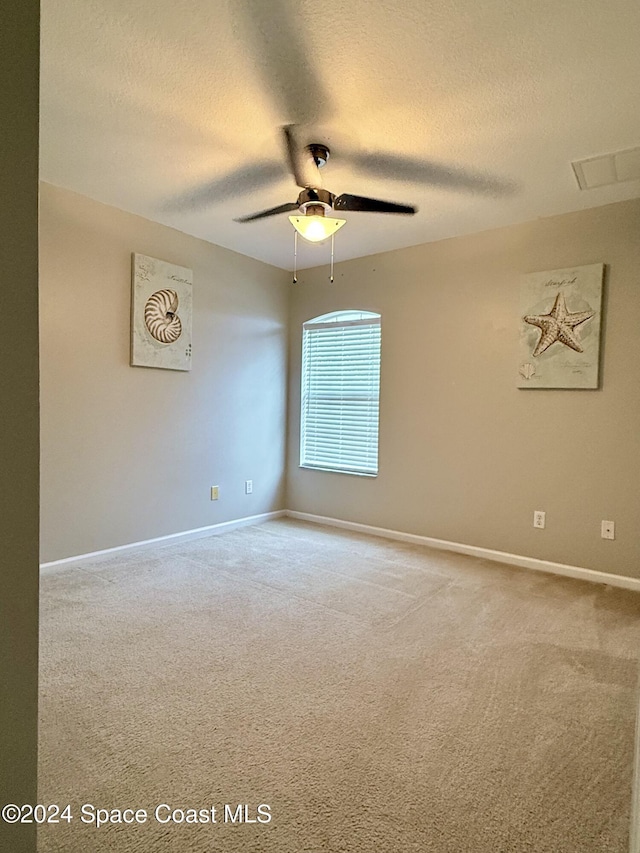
(338, 471)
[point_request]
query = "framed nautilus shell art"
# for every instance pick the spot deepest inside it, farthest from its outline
(161, 307)
(560, 319)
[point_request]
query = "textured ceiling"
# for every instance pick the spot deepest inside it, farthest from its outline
(172, 109)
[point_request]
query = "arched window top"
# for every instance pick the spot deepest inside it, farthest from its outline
(343, 318)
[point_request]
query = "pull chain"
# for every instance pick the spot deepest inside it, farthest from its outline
(331, 277)
(295, 255)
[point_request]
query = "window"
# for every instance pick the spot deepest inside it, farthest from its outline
(340, 392)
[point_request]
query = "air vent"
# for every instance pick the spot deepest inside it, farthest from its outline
(608, 169)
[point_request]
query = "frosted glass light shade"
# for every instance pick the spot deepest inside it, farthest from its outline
(316, 228)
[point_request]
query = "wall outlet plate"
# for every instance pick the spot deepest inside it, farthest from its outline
(248, 487)
(608, 530)
(539, 518)
(215, 494)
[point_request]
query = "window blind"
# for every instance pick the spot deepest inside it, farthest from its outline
(340, 393)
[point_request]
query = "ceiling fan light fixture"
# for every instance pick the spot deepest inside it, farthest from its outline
(314, 227)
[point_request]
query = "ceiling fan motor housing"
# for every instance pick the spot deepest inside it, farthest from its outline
(315, 202)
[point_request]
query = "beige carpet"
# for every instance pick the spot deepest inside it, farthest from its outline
(379, 697)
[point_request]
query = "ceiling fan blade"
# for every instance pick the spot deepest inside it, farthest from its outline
(398, 168)
(236, 183)
(301, 163)
(370, 205)
(293, 156)
(272, 211)
(281, 56)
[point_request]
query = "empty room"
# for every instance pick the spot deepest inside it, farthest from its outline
(320, 436)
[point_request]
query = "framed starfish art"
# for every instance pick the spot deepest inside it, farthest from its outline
(560, 328)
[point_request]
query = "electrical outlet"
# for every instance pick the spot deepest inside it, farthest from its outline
(214, 493)
(539, 518)
(608, 530)
(248, 487)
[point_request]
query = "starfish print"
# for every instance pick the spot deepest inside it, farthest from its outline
(558, 325)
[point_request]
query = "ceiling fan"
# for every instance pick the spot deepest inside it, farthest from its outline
(282, 55)
(314, 202)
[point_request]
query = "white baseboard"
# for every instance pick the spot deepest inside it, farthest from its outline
(474, 551)
(184, 536)
(443, 544)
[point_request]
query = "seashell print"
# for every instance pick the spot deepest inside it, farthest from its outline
(527, 370)
(161, 316)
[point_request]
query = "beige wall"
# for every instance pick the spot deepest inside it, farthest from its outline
(19, 47)
(129, 454)
(464, 455)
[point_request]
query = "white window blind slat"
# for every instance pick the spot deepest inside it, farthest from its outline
(341, 392)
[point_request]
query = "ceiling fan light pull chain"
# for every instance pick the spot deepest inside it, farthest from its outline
(295, 255)
(332, 240)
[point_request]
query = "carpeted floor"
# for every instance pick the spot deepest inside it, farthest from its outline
(378, 697)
